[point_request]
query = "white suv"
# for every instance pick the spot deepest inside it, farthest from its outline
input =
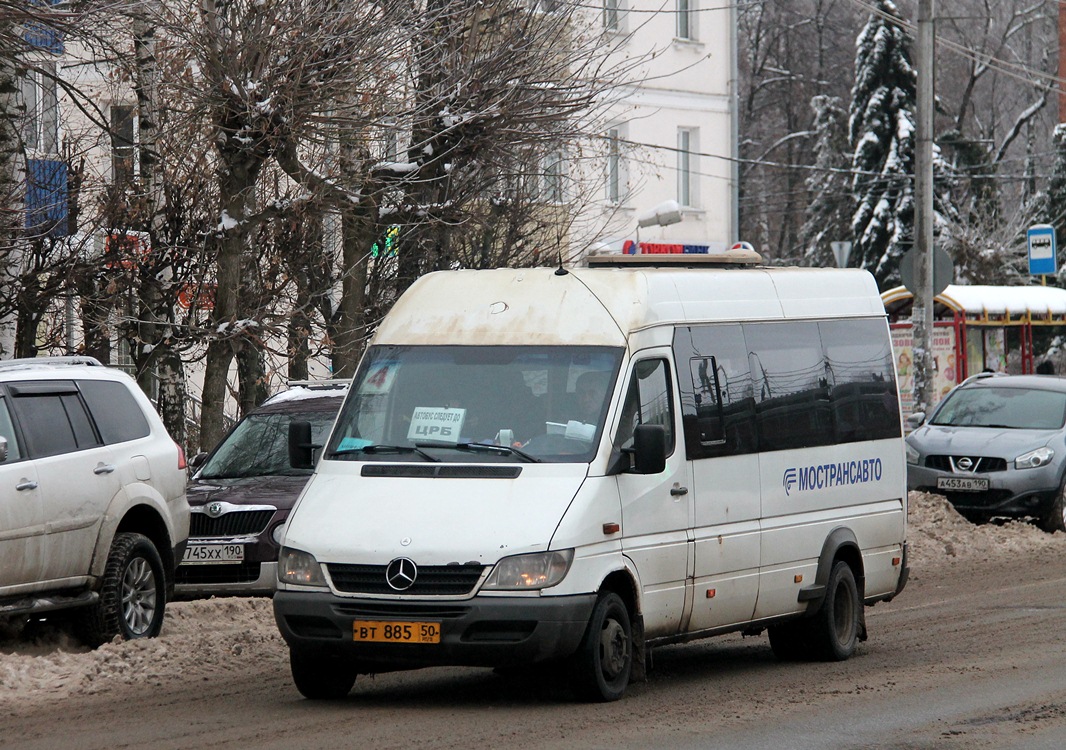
(93, 515)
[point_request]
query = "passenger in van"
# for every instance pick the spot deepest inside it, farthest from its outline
(590, 389)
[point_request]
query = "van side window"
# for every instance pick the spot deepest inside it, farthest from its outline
(862, 381)
(781, 385)
(648, 401)
(717, 392)
(7, 431)
(117, 415)
(53, 419)
(791, 385)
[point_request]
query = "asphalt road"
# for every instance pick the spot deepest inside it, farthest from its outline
(971, 656)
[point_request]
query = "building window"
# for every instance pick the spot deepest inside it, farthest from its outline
(123, 144)
(612, 15)
(553, 175)
(390, 141)
(687, 147)
(614, 166)
(40, 96)
(686, 19)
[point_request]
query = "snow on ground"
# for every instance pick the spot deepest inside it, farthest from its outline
(202, 639)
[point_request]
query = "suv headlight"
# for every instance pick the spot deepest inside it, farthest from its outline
(1034, 459)
(912, 454)
(300, 568)
(530, 572)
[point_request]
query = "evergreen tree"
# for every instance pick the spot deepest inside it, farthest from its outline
(828, 215)
(882, 138)
(881, 134)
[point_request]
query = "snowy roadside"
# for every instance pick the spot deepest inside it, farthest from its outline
(202, 639)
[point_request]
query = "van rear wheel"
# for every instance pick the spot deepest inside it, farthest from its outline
(836, 625)
(604, 660)
(320, 677)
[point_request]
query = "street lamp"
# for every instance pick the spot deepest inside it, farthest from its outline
(663, 215)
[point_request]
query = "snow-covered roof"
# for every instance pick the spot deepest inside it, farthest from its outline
(1003, 300)
(326, 389)
(981, 301)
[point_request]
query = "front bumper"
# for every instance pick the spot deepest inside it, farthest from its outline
(483, 631)
(243, 579)
(1012, 493)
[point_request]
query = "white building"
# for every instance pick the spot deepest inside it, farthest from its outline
(672, 133)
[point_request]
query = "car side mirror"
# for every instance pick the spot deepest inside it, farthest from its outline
(649, 449)
(915, 420)
(198, 460)
(301, 450)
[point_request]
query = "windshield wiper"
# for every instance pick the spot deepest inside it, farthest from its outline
(484, 448)
(402, 449)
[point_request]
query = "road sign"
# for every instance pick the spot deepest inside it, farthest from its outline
(1043, 254)
(841, 251)
(943, 271)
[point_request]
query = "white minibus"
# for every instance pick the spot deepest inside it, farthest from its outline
(568, 467)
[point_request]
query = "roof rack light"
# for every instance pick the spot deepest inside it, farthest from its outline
(728, 259)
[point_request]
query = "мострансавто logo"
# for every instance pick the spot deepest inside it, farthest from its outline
(823, 476)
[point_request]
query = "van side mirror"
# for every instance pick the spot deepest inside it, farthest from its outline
(915, 420)
(649, 449)
(301, 450)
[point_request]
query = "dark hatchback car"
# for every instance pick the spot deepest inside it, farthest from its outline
(996, 447)
(242, 492)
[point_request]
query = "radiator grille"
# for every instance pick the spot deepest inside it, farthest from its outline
(235, 523)
(432, 580)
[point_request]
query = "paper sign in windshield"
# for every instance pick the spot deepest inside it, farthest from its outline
(435, 423)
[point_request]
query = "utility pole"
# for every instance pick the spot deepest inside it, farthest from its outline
(922, 311)
(1062, 63)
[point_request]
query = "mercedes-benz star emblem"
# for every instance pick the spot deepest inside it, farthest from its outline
(965, 463)
(214, 510)
(401, 574)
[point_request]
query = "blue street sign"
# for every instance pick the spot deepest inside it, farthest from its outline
(1043, 254)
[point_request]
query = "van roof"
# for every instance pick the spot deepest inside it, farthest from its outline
(604, 306)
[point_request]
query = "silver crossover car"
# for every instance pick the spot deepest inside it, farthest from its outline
(996, 446)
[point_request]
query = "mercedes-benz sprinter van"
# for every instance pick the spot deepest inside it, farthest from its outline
(568, 467)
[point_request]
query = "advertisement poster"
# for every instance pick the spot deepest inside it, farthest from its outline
(995, 350)
(944, 364)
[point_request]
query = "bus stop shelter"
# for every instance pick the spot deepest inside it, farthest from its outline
(975, 328)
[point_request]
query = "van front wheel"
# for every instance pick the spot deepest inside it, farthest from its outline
(320, 677)
(835, 627)
(603, 662)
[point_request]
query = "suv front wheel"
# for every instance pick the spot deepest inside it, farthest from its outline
(132, 594)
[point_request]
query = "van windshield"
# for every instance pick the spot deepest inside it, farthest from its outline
(434, 403)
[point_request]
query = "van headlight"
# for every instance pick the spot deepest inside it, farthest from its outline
(1034, 459)
(300, 568)
(912, 454)
(538, 570)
